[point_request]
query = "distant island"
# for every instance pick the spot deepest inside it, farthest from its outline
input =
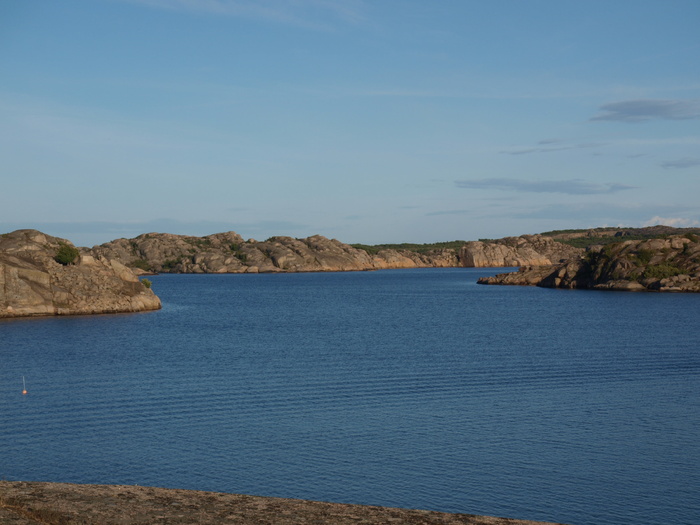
(45, 275)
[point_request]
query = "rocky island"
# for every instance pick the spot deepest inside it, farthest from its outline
(44, 275)
(667, 264)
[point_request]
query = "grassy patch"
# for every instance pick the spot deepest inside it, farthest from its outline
(410, 247)
(661, 271)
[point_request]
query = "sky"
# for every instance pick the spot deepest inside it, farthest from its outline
(368, 121)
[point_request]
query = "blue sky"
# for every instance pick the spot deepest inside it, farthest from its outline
(366, 121)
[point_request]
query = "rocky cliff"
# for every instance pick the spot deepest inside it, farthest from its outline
(33, 282)
(230, 253)
(531, 250)
(670, 264)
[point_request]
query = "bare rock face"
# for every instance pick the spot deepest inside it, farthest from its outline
(670, 264)
(229, 253)
(33, 283)
(526, 250)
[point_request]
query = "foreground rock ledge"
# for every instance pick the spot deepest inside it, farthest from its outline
(29, 503)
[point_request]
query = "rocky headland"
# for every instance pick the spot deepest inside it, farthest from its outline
(531, 250)
(44, 275)
(667, 264)
(230, 253)
(23, 503)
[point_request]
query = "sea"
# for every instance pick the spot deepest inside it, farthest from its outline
(409, 388)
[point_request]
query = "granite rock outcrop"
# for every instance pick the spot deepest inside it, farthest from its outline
(230, 253)
(33, 283)
(670, 264)
(526, 250)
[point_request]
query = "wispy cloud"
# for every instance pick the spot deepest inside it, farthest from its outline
(314, 14)
(590, 214)
(448, 212)
(569, 187)
(686, 162)
(677, 222)
(649, 109)
(548, 146)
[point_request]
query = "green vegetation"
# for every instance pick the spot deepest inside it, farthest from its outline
(644, 256)
(554, 233)
(170, 264)
(66, 254)
(142, 264)
(585, 242)
(146, 283)
(417, 248)
(199, 242)
(661, 271)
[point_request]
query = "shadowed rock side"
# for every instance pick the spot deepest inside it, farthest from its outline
(230, 253)
(24, 503)
(33, 283)
(666, 265)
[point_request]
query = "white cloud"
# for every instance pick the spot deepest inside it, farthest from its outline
(676, 222)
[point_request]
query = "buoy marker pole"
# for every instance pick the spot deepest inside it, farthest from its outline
(24, 387)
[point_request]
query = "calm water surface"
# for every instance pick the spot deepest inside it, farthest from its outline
(408, 388)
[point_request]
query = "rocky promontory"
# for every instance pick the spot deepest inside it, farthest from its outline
(45, 275)
(670, 264)
(229, 253)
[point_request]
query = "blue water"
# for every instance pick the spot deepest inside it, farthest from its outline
(407, 388)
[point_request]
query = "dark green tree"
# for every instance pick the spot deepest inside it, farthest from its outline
(66, 254)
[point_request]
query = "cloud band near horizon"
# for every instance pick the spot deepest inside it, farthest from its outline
(568, 187)
(649, 109)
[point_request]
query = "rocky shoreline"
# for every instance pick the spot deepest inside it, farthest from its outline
(44, 275)
(229, 253)
(669, 264)
(32, 503)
